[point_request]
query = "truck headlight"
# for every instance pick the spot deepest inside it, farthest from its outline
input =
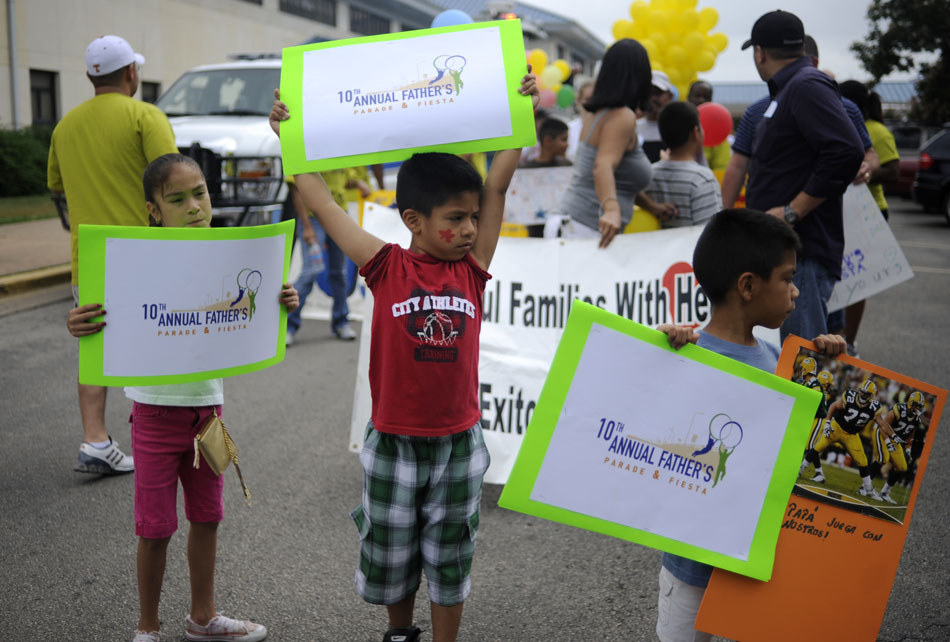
(263, 178)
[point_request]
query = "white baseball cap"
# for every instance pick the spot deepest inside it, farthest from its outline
(661, 81)
(110, 53)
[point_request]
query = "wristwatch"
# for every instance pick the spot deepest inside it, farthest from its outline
(791, 216)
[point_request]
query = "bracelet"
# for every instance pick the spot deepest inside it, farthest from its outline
(609, 198)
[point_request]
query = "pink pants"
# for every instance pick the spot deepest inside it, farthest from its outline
(163, 448)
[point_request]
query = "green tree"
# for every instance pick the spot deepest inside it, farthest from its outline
(898, 30)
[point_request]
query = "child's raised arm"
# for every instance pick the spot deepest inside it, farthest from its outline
(492, 207)
(356, 243)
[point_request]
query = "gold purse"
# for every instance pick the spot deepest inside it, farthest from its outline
(218, 449)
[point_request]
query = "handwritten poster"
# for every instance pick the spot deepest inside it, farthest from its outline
(536, 194)
(615, 447)
(381, 98)
(183, 304)
(829, 518)
(873, 260)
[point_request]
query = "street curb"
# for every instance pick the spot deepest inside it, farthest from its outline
(34, 279)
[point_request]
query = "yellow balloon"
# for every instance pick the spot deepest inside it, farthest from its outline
(564, 68)
(620, 28)
(550, 76)
(639, 11)
(675, 75)
(718, 41)
(652, 50)
(693, 42)
(676, 55)
(708, 18)
(688, 20)
(687, 4)
(659, 19)
(659, 39)
(705, 60)
(638, 30)
(538, 61)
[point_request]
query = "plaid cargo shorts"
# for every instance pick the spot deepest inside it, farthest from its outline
(419, 512)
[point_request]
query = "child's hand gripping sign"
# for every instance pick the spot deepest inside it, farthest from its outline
(382, 98)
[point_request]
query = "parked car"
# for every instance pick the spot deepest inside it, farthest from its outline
(932, 183)
(219, 114)
(908, 138)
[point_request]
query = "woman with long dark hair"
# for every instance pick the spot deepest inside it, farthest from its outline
(610, 167)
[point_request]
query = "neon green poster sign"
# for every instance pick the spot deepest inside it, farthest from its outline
(382, 98)
(182, 304)
(685, 451)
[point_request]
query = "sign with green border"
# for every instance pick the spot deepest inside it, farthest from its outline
(182, 304)
(630, 438)
(378, 99)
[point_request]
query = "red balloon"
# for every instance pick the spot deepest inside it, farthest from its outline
(716, 122)
(548, 98)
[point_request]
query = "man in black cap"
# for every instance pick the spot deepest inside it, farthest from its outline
(805, 152)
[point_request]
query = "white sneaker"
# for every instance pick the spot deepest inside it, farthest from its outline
(873, 494)
(819, 478)
(887, 498)
(224, 629)
(146, 636)
(289, 340)
(345, 332)
(103, 461)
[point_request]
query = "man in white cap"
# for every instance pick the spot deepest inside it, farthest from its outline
(647, 128)
(97, 156)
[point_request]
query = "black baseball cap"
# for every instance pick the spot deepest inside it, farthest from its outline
(778, 29)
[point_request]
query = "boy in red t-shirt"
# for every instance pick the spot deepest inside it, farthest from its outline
(423, 456)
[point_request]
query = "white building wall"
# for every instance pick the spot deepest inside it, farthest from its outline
(173, 35)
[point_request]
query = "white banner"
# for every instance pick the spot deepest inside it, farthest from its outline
(645, 277)
(873, 260)
(535, 193)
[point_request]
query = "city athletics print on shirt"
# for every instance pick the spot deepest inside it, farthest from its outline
(436, 322)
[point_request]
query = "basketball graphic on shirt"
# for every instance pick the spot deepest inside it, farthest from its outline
(438, 330)
(438, 322)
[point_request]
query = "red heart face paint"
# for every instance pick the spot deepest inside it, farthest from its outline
(447, 235)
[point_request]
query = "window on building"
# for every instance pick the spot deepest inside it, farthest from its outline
(151, 91)
(43, 96)
(253, 2)
(366, 23)
(320, 10)
(561, 51)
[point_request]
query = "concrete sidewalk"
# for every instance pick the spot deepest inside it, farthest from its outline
(33, 254)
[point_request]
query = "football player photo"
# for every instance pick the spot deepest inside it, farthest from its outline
(866, 438)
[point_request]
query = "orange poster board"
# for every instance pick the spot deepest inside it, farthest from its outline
(830, 520)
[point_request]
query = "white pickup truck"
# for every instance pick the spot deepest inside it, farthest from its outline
(219, 115)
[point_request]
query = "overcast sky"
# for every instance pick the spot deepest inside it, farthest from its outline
(834, 24)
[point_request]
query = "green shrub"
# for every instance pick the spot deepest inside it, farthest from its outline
(23, 159)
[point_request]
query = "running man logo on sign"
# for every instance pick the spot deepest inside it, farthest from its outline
(674, 460)
(423, 92)
(231, 312)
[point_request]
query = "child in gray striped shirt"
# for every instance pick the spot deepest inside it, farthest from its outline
(679, 179)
